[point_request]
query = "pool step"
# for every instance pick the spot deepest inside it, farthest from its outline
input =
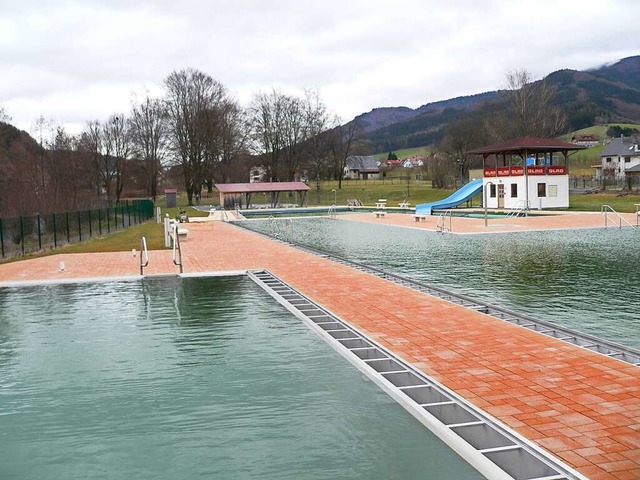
(476, 436)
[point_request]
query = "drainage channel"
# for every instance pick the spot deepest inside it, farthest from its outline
(491, 447)
(589, 342)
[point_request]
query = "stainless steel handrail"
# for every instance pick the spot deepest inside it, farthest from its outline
(606, 209)
(144, 253)
(177, 251)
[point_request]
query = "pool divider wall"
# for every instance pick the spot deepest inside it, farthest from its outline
(484, 442)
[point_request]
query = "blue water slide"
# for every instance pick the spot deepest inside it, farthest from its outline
(456, 198)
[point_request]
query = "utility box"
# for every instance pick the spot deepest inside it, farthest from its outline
(171, 196)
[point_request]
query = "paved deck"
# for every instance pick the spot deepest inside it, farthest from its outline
(581, 406)
(546, 220)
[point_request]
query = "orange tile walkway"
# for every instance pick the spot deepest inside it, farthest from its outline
(581, 406)
(536, 221)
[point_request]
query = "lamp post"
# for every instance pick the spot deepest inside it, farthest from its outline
(485, 200)
(335, 196)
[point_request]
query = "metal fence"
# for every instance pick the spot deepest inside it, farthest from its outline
(26, 234)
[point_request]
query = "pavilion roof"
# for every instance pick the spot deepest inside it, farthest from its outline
(527, 144)
(262, 187)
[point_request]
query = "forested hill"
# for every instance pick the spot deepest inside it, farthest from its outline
(609, 93)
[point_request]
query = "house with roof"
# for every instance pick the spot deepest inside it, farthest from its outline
(622, 155)
(586, 140)
(361, 167)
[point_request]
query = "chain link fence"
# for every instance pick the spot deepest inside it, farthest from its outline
(27, 234)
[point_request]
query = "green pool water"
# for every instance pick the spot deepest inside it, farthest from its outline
(186, 379)
(587, 280)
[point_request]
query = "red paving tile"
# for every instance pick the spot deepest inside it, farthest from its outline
(581, 406)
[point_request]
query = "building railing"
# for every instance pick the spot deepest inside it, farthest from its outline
(33, 233)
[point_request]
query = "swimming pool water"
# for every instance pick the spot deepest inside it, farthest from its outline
(586, 280)
(191, 378)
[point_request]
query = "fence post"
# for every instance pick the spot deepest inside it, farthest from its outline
(55, 232)
(68, 232)
(22, 234)
(90, 229)
(100, 221)
(129, 212)
(122, 209)
(108, 221)
(1, 238)
(39, 234)
(79, 227)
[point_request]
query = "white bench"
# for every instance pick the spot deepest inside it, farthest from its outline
(420, 218)
(380, 214)
(182, 234)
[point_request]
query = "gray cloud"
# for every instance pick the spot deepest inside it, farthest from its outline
(74, 61)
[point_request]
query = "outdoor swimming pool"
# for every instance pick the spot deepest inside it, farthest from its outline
(582, 279)
(191, 378)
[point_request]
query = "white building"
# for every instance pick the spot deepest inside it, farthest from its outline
(527, 172)
(619, 156)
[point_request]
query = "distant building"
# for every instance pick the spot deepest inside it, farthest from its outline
(391, 164)
(257, 174)
(587, 140)
(361, 167)
(621, 155)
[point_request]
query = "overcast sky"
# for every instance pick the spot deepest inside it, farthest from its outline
(72, 61)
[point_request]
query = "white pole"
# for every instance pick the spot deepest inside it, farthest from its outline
(167, 232)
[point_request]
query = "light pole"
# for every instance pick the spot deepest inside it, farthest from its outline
(485, 200)
(335, 196)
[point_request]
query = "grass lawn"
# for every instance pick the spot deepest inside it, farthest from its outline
(404, 153)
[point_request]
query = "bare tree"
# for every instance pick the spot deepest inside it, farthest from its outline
(532, 111)
(149, 135)
(233, 140)
(317, 123)
(267, 112)
(4, 116)
(91, 141)
(345, 140)
(463, 135)
(192, 98)
(117, 145)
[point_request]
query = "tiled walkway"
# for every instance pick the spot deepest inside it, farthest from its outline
(581, 406)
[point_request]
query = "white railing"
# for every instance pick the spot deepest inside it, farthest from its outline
(521, 206)
(441, 226)
(332, 212)
(144, 253)
(177, 251)
(606, 210)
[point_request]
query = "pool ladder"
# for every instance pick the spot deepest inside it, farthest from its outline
(177, 251)
(608, 209)
(143, 253)
(441, 226)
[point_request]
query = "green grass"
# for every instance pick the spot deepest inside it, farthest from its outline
(599, 130)
(594, 202)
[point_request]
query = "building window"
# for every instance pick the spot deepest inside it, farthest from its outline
(553, 191)
(514, 190)
(542, 190)
(608, 159)
(492, 191)
(627, 159)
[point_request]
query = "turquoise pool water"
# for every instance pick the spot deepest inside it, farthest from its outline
(188, 379)
(587, 280)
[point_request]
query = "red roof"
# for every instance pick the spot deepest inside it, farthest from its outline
(529, 144)
(262, 187)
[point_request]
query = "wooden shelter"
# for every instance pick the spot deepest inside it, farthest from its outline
(242, 194)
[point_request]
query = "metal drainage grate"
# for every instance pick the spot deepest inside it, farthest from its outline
(492, 448)
(590, 342)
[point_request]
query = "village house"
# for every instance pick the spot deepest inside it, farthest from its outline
(361, 167)
(586, 140)
(619, 157)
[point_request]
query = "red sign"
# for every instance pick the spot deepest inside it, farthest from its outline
(535, 170)
(503, 171)
(557, 170)
(517, 171)
(490, 172)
